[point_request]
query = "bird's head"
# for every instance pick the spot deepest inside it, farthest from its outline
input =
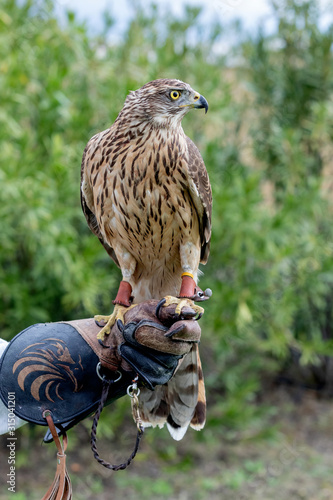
(163, 102)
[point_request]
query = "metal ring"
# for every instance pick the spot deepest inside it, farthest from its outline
(103, 377)
(129, 391)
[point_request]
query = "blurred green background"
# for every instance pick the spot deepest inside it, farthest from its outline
(267, 145)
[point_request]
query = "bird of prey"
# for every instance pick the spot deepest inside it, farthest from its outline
(146, 195)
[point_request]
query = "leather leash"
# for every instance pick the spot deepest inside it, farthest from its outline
(133, 392)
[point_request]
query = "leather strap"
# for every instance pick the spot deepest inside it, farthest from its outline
(61, 488)
(124, 294)
(187, 287)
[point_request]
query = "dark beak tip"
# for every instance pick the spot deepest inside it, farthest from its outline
(202, 103)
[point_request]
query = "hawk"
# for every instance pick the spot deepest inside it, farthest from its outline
(146, 195)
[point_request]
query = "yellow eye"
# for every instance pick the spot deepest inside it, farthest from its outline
(174, 94)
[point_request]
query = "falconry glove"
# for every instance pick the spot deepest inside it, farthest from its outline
(60, 367)
(60, 372)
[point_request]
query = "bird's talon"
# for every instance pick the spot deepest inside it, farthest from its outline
(101, 319)
(108, 321)
(181, 304)
(158, 307)
(168, 300)
(103, 345)
(104, 332)
(120, 325)
(104, 322)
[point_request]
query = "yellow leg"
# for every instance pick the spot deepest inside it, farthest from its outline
(118, 313)
(182, 303)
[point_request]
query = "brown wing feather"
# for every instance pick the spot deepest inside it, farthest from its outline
(201, 195)
(88, 206)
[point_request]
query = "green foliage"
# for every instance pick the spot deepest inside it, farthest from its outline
(270, 123)
(292, 78)
(51, 268)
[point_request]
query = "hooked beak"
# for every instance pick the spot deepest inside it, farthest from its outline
(201, 103)
(196, 101)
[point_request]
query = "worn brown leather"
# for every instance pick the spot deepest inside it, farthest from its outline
(177, 339)
(89, 330)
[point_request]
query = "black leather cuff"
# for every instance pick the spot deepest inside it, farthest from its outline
(153, 367)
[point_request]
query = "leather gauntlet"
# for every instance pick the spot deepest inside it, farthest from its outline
(60, 366)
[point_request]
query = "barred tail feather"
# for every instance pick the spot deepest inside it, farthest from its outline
(199, 418)
(153, 408)
(179, 403)
(183, 395)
